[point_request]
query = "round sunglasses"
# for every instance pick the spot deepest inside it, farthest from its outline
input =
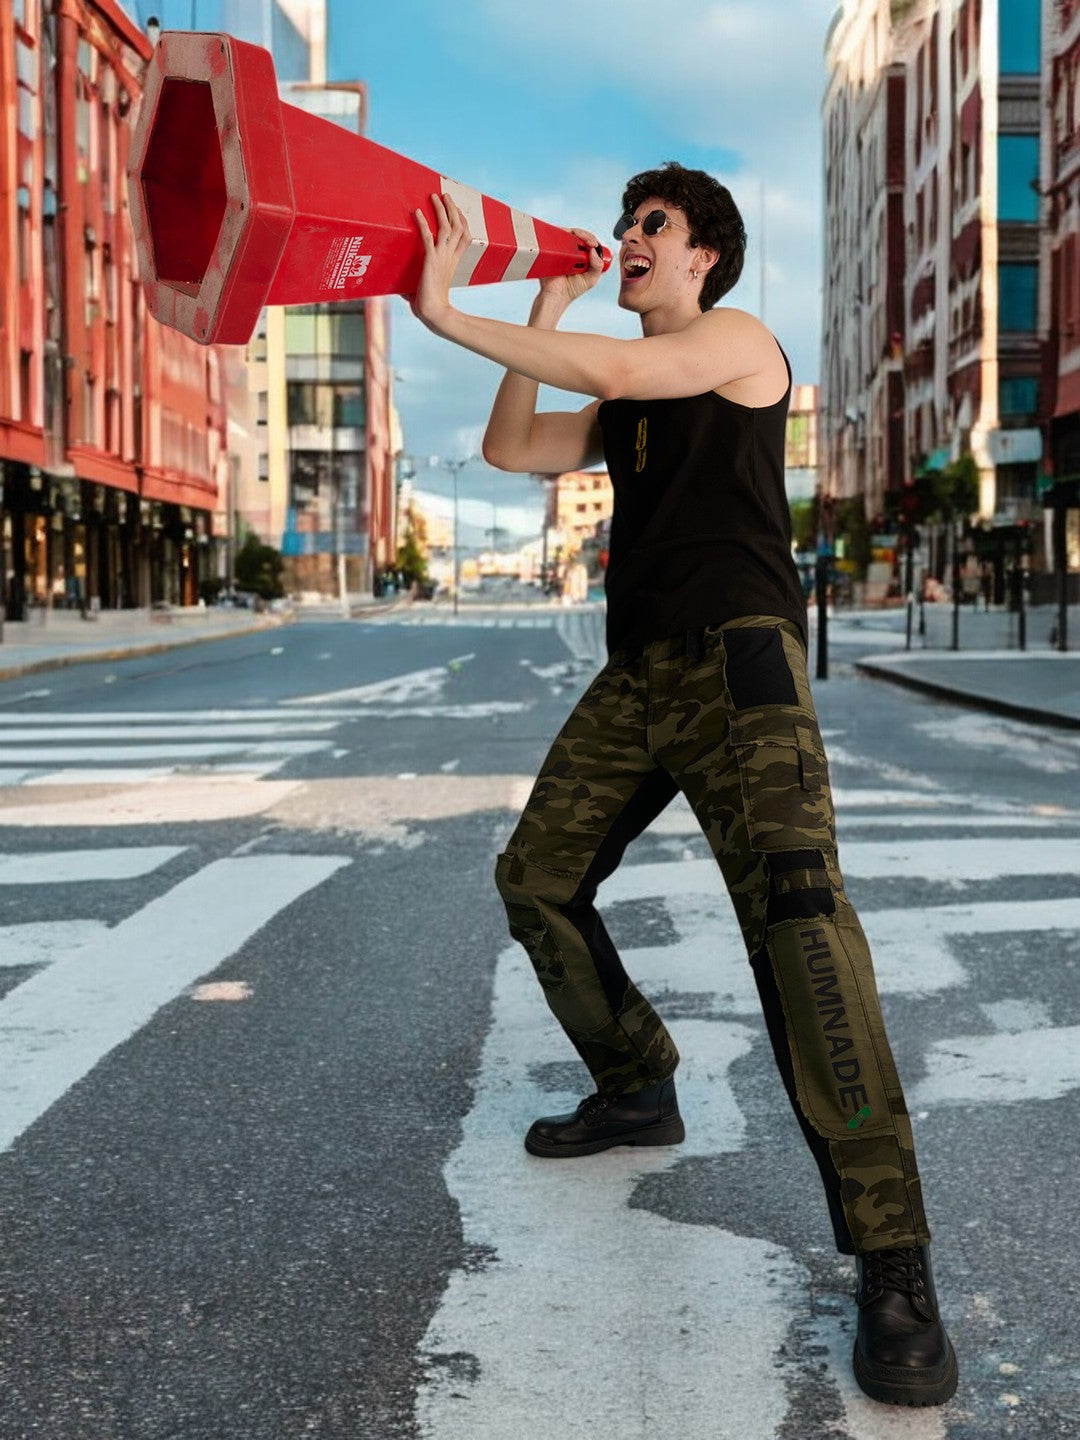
(651, 224)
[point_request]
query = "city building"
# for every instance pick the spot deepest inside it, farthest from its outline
(113, 429)
(801, 442)
(577, 502)
(861, 368)
(931, 337)
(323, 485)
(1061, 275)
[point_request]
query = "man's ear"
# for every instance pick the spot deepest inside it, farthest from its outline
(705, 257)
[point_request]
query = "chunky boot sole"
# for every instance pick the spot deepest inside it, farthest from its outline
(667, 1132)
(895, 1385)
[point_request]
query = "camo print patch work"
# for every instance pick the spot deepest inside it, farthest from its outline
(624, 1044)
(752, 766)
(784, 779)
(880, 1191)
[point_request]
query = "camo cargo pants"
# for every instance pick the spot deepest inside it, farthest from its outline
(726, 716)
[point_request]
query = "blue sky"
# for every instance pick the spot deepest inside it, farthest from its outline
(550, 107)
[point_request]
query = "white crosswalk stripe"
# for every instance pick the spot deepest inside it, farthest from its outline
(94, 985)
(576, 1224)
(132, 747)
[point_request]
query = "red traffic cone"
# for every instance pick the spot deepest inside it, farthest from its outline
(239, 201)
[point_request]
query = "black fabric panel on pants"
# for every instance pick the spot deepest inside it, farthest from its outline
(773, 1009)
(655, 792)
(756, 668)
(799, 887)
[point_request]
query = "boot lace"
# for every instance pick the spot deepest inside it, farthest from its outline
(899, 1270)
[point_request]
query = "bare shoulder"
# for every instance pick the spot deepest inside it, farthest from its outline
(759, 377)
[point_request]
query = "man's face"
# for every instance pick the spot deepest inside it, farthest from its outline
(653, 269)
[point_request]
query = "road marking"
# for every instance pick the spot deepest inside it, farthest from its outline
(57, 1025)
(40, 942)
(571, 1254)
(223, 730)
(212, 718)
(416, 686)
(196, 750)
(115, 800)
(1001, 1069)
(571, 1260)
(68, 867)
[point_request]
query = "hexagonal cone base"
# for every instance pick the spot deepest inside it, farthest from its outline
(239, 201)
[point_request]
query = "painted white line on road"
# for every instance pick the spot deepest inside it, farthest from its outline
(572, 1261)
(68, 867)
(56, 1026)
(229, 773)
(178, 800)
(197, 750)
(223, 730)
(416, 686)
(999, 1069)
(157, 717)
(40, 942)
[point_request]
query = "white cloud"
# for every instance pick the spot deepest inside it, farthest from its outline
(744, 77)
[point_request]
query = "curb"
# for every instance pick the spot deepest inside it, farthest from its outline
(1010, 709)
(128, 652)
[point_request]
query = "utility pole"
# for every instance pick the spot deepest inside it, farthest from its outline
(455, 467)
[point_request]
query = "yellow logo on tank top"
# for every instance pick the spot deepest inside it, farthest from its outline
(642, 432)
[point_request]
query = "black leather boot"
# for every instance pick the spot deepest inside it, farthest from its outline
(902, 1353)
(645, 1117)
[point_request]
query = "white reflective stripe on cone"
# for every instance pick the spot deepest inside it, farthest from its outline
(527, 243)
(471, 204)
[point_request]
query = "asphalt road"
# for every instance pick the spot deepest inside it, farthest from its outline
(266, 1055)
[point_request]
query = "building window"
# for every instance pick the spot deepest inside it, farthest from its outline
(310, 331)
(317, 403)
(1018, 175)
(1019, 396)
(1020, 35)
(1018, 288)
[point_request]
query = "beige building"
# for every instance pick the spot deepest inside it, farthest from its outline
(577, 502)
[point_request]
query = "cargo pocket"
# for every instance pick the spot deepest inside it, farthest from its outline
(784, 779)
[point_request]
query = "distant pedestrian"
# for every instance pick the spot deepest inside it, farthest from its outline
(705, 692)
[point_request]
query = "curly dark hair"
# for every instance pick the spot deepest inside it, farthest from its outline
(714, 219)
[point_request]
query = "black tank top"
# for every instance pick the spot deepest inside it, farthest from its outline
(701, 531)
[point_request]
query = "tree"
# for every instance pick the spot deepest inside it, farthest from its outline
(412, 559)
(804, 524)
(954, 491)
(258, 568)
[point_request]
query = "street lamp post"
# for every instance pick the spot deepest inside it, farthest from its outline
(455, 467)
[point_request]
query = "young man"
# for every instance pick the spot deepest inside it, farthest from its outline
(705, 692)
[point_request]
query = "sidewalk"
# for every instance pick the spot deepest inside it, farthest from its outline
(56, 638)
(1041, 686)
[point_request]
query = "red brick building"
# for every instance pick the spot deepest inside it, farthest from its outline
(112, 428)
(1061, 196)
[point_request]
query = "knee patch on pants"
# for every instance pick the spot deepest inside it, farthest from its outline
(799, 887)
(842, 1084)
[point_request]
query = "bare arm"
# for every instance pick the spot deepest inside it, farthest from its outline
(716, 349)
(518, 438)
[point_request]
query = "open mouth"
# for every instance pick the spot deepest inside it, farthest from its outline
(635, 266)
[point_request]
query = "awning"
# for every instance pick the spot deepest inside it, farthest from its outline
(935, 461)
